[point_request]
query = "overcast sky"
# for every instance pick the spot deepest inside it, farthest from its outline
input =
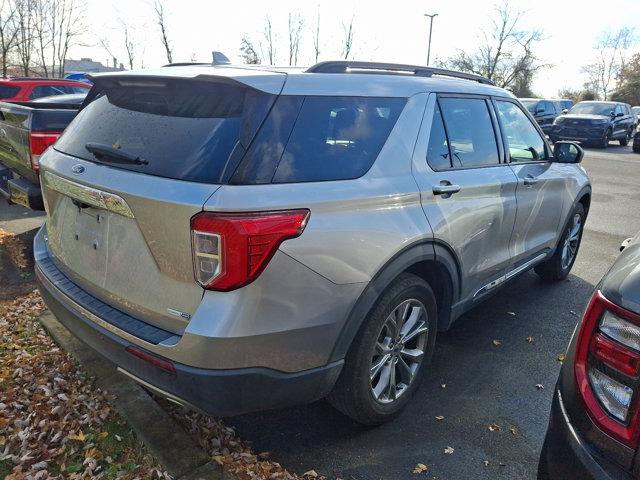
(394, 31)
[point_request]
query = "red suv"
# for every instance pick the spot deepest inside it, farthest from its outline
(26, 89)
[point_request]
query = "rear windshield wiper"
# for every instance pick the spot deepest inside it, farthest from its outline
(107, 153)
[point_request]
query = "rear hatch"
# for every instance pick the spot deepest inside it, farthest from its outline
(140, 159)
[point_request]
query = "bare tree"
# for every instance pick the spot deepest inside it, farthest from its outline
(129, 43)
(347, 44)
(8, 32)
(506, 53)
(269, 39)
(316, 36)
(248, 52)
(295, 32)
(162, 25)
(24, 24)
(610, 59)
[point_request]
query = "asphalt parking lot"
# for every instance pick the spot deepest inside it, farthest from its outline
(473, 381)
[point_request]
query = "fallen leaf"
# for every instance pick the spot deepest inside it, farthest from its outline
(511, 313)
(530, 339)
(420, 468)
(103, 434)
(81, 437)
(449, 450)
(539, 386)
(486, 463)
(497, 343)
(310, 473)
(513, 430)
(444, 385)
(573, 313)
(561, 357)
(494, 427)
(439, 417)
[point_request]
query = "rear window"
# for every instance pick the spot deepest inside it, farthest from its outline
(7, 91)
(52, 90)
(186, 130)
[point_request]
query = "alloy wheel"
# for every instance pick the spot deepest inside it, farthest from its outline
(399, 351)
(571, 241)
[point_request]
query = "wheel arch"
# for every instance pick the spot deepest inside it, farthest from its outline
(431, 261)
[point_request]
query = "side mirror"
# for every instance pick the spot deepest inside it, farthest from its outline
(620, 114)
(567, 152)
(565, 111)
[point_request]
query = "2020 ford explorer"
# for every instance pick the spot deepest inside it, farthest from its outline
(241, 238)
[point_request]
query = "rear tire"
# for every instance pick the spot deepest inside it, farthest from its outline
(383, 366)
(559, 265)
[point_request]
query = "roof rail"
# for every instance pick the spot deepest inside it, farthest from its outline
(347, 66)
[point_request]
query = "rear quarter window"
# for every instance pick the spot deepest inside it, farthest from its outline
(337, 138)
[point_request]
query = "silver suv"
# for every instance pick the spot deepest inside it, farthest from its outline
(239, 239)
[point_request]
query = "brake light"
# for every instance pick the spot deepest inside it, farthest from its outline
(38, 143)
(230, 250)
(607, 368)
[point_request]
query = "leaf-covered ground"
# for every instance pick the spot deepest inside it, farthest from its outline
(54, 422)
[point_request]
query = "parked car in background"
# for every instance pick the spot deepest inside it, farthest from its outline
(27, 129)
(594, 428)
(636, 142)
(206, 265)
(29, 88)
(595, 123)
(544, 111)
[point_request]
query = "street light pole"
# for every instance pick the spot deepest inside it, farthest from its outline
(430, 30)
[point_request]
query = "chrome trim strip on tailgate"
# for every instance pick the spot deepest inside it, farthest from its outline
(88, 195)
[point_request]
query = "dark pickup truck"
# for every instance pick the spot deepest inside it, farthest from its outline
(27, 129)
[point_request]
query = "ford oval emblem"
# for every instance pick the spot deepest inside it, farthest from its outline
(78, 169)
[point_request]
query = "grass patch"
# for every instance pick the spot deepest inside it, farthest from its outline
(5, 468)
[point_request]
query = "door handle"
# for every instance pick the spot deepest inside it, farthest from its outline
(445, 189)
(530, 180)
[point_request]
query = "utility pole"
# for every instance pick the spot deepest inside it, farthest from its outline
(430, 15)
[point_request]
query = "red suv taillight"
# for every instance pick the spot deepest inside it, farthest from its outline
(230, 250)
(38, 143)
(607, 368)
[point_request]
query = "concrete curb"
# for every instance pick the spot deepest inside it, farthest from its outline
(166, 441)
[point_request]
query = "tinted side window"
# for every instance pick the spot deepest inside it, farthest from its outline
(525, 143)
(471, 135)
(549, 108)
(337, 138)
(7, 91)
(52, 90)
(438, 148)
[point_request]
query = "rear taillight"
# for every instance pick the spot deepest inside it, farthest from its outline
(607, 368)
(38, 143)
(230, 250)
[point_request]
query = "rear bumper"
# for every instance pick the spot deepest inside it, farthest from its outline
(19, 190)
(566, 456)
(221, 392)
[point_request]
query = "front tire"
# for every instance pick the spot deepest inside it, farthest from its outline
(384, 365)
(559, 265)
(604, 143)
(625, 141)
